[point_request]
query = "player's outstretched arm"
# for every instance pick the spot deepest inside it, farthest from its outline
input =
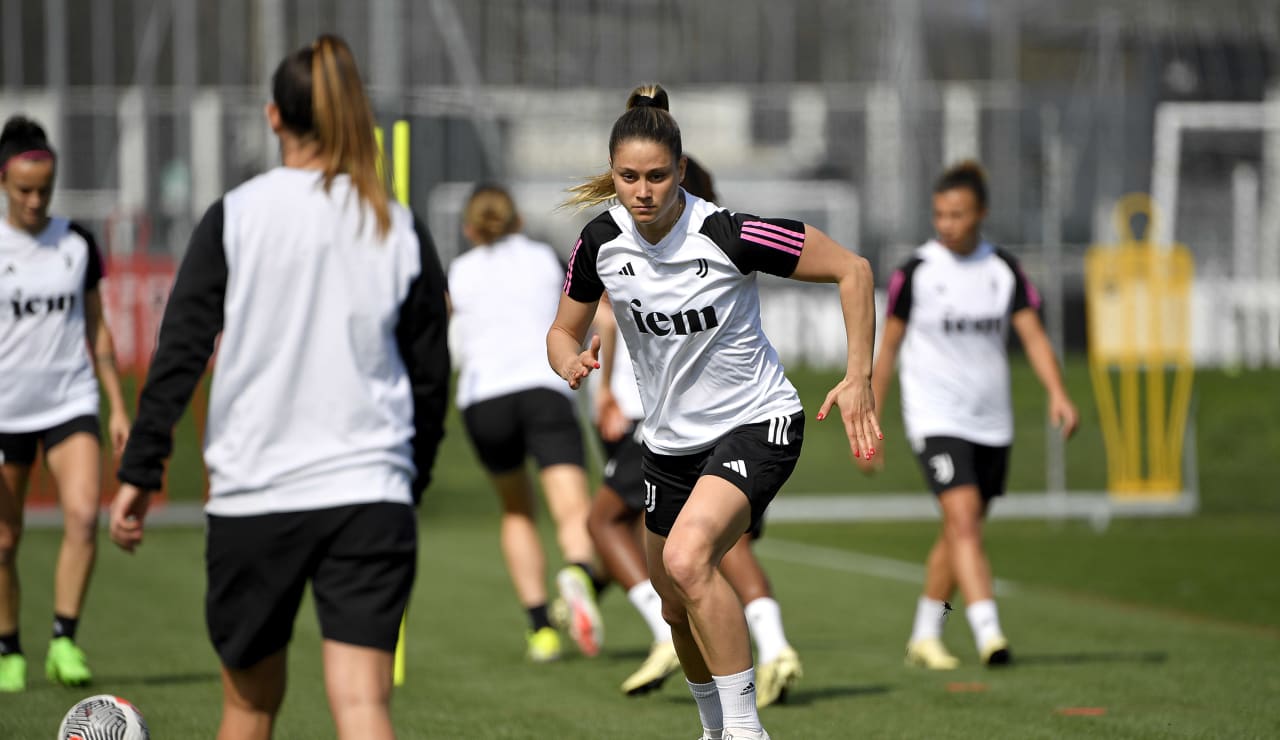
(823, 260)
(564, 341)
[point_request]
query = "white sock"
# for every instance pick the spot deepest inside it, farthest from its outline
(930, 614)
(738, 700)
(707, 696)
(647, 601)
(764, 617)
(984, 621)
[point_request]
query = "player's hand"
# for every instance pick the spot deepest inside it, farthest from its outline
(610, 421)
(871, 466)
(118, 429)
(857, 405)
(128, 511)
(1063, 415)
(582, 364)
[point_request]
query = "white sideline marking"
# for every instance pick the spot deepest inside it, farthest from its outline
(847, 561)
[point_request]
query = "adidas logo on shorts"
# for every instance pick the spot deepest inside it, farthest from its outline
(738, 466)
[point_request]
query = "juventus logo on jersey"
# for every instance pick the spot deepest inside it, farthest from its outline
(702, 270)
(627, 270)
(67, 259)
(943, 468)
(650, 496)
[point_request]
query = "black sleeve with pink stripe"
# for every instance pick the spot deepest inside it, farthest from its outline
(94, 271)
(900, 289)
(582, 282)
(755, 244)
(1025, 294)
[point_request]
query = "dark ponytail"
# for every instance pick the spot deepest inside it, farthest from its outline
(967, 174)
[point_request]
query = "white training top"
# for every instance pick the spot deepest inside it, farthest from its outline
(322, 389)
(688, 310)
(954, 364)
(46, 374)
(504, 297)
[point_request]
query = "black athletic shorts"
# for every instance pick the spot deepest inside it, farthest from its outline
(624, 474)
(757, 458)
(539, 422)
(20, 447)
(360, 560)
(948, 462)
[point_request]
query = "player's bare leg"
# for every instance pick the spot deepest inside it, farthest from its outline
(565, 487)
(521, 546)
(358, 683)
(962, 514)
(925, 648)
(75, 464)
(251, 698)
(711, 521)
(778, 667)
(13, 488)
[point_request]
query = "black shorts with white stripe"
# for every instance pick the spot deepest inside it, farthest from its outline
(756, 458)
(951, 462)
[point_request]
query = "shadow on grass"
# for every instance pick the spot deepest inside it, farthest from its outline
(809, 695)
(1148, 657)
(158, 679)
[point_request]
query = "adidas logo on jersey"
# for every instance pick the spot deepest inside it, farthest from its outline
(628, 270)
(686, 322)
(738, 466)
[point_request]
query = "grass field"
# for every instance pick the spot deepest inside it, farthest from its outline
(1151, 629)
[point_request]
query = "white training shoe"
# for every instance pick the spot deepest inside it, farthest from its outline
(740, 734)
(777, 677)
(585, 624)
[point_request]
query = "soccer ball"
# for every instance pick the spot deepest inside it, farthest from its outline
(103, 717)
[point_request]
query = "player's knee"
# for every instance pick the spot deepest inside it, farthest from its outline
(675, 615)
(80, 524)
(687, 566)
(10, 536)
(962, 530)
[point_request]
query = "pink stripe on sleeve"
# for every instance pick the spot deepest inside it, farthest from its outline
(771, 244)
(896, 282)
(1033, 296)
(778, 232)
(568, 278)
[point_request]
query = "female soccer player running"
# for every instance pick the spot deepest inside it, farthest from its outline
(326, 408)
(950, 307)
(52, 340)
(619, 504)
(503, 294)
(723, 425)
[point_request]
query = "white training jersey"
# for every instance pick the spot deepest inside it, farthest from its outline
(504, 297)
(954, 364)
(688, 310)
(331, 372)
(46, 374)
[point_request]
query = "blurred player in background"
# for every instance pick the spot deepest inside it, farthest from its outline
(326, 409)
(723, 426)
(503, 295)
(53, 338)
(618, 507)
(950, 308)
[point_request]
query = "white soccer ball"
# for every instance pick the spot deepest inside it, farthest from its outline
(103, 717)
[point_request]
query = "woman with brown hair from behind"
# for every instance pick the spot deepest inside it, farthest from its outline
(326, 407)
